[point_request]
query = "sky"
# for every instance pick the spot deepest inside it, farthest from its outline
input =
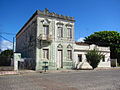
(90, 15)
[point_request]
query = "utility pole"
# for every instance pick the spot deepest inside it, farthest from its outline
(13, 45)
(14, 59)
(13, 56)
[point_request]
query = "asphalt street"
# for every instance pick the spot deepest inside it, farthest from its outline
(76, 80)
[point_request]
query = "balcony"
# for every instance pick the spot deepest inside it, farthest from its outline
(45, 37)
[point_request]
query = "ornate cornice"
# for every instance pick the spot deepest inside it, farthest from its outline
(54, 15)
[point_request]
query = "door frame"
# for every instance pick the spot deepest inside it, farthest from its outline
(60, 61)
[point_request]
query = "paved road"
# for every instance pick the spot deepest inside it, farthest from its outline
(79, 80)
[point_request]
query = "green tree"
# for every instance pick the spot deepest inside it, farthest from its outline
(5, 57)
(94, 57)
(106, 38)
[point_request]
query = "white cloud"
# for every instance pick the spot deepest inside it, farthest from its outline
(4, 45)
(81, 39)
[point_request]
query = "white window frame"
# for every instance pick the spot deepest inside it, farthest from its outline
(60, 32)
(46, 54)
(69, 53)
(46, 29)
(69, 30)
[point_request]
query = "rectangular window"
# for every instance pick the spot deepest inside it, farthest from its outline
(103, 58)
(45, 53)
(60, 32)
(46, 29)
(70, 33)
(79, 57)
(69, 54)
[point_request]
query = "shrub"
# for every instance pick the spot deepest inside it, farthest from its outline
(94, 57)
(5, 57)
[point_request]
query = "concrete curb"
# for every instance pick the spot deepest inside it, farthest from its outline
(51, 71)
(8, 72)
(110, 68)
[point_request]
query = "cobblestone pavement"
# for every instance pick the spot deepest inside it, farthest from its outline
(77, 80)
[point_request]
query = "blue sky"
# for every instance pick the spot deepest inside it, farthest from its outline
(90, 15)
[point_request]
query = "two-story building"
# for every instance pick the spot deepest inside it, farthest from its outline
(49, 37)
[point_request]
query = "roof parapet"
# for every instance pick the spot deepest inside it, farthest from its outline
(49, 14)
(55, 15)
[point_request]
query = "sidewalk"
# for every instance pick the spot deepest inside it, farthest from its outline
(52, 71)
(109, 68)
(8, 72)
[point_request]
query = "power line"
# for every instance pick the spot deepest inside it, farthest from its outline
(7, 33)
(12, 34)
(5, 38)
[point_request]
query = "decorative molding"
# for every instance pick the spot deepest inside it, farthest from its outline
(69, 25)
(69, 46)
(45, 22)
(46, 11)
(59, 23)
(59, 46)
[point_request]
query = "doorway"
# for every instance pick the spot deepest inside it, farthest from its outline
(60, 59)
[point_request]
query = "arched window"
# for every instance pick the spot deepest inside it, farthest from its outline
(69, 52)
